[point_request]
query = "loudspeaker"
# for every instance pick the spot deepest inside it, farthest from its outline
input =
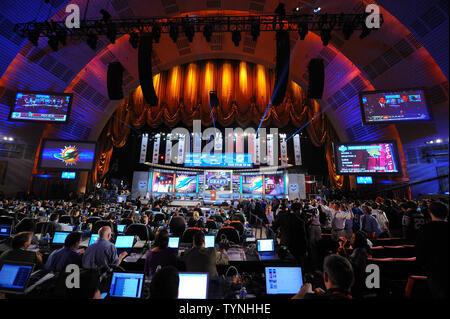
(145, 69)
(114, 81)
(316, 70)
(282, 67)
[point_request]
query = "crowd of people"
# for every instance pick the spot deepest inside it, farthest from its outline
(333, 238)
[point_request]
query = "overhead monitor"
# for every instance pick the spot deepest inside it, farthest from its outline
(364, 180)
(68, 175)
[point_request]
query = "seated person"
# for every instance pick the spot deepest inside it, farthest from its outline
(199, 258)
(59, 259)
(102, 253)
(338, 278)
(54, 219)
(160, 254)
(19, 252)
(165, 283)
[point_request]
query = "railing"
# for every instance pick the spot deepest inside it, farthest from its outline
(258, 224)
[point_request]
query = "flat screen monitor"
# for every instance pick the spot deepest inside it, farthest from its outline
(41, 107)
(64, 154)
(126, 285)
(265, 245)
(173, 242)
(394, 106)
(185, 183)
(93, 239)
(124, 242)
(59, 237)
(14, 276)
(193, 286)
(274, 184)
(368, 158)
(5, 230)
(209, 241)
(364, 180)
(218, 181)
(162, 182)
(252, 184)
(68, 175)
(121, 228)
(283, 280)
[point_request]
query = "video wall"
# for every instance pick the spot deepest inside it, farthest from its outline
(193, 183)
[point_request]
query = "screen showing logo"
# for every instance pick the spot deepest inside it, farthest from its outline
(70, 155)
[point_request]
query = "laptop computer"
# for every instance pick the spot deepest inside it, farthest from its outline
(5, 231)
(266, 249)
(126, 285)
(124, 243)
(14, 277)
(283, 280)
(59, 237)
(210, 241)
(193, 285)
(174, 242)
(93, 239)
(121, 228)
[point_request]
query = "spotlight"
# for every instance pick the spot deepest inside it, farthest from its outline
(111, 33)
(236, 37)
(173, 32)
(105, 15)
(92, 41)
(255, 31)
(53, 42)
(348, 30)
(207, 32)
(297, 9)
(134, 40)
(156, 32)
(302, 30)
(10, 139)
(189, 31)
(325, 36)
(317, 10)
(33, 37)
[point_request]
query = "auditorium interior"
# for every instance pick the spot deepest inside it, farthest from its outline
(224, 149)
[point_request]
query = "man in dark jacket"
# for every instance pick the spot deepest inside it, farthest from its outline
(296, 236)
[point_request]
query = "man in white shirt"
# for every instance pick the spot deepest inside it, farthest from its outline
(338, 219)
(381, 219)
(327, 210)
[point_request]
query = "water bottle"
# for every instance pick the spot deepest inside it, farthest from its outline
(47, 238)
(243, 293)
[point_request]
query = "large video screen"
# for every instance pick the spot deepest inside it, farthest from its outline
(41, 107)
(162, 182)
(218, 181)
(274, 184)
(64, 154)
(394, 106)
(252, 184)
(185, 183)
(366, 158)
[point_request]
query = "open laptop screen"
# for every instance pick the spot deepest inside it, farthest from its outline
(209, 241)
(283, 280)
(5, 230)
(193, 286)
(14, 277)
(126, 285)
(121, 228)
(124, 241)
(59, 237)
(265, 245)
(173, 242)
(94, 238)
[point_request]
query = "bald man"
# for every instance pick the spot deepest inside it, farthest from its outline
(103, 252)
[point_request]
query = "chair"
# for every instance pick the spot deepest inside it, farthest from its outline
(140, 230)
(230, 233)
(177, 226)
(238, 226)
(26, 224)
(126, 222)
(160, 217)
(66, 219)
(417, 288)
(211, 224)
(99, 224)
(47, 228)
(7, 220)
(92, 220)
(188, 235)
(240, 217)
(217, 218)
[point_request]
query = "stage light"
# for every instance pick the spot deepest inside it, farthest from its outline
(207, 32)
(302, 30)
(348, 30)
(156, 32)
(173, 32)
(92, 41)
(33, 37)
(236, 37)
(111, 33)
(53, 42)
(105, 15)
(316, 10)
(255, 31)
(10, 139)
(297, 9)
(325, 36)
(438, 140)
(134, 40)
(189, 31)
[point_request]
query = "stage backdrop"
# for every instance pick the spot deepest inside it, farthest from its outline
(243, 90)
(140, 184)
(296, 186)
